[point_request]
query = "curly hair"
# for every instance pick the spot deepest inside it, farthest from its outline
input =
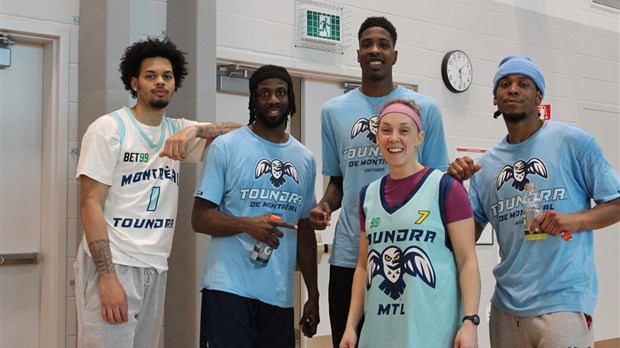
(378, 22)
(149, 48)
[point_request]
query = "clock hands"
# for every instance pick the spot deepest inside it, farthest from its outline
(456, 71)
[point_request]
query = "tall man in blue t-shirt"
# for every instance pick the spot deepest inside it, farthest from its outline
(253, 174)
(545, 289)
(352, 159)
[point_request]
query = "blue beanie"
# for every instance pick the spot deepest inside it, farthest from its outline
(519, 65)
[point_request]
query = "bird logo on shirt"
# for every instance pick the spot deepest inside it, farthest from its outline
(519, 171)
(393, 264)
(370, 125)
(278, 171)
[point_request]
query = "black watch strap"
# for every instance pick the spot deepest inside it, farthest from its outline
(473, 318)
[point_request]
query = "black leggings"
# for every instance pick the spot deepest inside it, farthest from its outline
(340, 284)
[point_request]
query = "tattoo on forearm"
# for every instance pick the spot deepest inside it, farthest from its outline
(102, 256)
(211, 131)
(200, 133)
(214, 130)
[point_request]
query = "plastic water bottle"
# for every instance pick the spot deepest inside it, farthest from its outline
(532, 207)
(261, 251)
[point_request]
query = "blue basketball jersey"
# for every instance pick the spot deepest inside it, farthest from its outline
(412, 289)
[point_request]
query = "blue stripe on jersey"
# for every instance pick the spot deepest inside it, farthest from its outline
(121, 125)
(172, 125)
(162, 135)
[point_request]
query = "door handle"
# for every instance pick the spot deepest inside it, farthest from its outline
(19, 259)
(321, 248)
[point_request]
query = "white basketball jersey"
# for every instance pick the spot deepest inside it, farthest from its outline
(141, 206)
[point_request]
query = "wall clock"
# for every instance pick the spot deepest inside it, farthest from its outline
(456, 71)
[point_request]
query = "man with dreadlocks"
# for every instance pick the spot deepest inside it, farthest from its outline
(257, 185)
(128, 201)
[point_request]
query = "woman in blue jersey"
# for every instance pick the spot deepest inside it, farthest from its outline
(417, 282)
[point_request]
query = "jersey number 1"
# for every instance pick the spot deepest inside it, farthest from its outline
(154, 199)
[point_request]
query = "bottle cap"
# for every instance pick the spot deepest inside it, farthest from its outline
(567, 236)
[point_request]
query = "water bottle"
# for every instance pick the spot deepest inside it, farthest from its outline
(261, 251)
(532, 207)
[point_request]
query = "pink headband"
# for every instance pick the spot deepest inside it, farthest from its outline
(399, 108)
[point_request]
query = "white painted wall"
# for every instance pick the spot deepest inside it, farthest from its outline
(58, 21)
(576, 44)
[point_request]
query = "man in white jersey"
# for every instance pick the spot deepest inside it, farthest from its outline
(546, 288)
(352, 159)
(257, 185)
(128, 202)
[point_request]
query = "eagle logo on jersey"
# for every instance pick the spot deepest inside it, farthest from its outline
(370, 125)
(277, 169)
(519, 171)
(393, 264)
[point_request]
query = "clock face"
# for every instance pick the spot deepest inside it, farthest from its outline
(456, 71)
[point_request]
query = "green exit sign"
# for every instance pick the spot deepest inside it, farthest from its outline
(323, 26)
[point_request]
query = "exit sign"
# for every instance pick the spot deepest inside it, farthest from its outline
(324, 27)
(544, 111)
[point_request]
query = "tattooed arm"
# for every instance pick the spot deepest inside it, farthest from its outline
(213, 130)
(178, 146)
(113, 297)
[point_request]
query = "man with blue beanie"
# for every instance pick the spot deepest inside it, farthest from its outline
(546, 288)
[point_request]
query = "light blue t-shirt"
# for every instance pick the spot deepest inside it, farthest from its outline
(412, 288)
(349, 129)
(567, 166)
(247, 175)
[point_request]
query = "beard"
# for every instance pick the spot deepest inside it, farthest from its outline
(158, 103)
(515, 117)
(275, 122)
(376, 76)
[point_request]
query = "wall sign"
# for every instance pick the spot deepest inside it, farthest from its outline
(544, 111)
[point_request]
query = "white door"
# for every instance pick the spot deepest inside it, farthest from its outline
(21, 96)
(314, 94)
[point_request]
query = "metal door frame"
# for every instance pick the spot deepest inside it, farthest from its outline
(55, 39)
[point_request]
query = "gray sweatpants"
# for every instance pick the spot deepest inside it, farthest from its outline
(552, 330)
(145, 289)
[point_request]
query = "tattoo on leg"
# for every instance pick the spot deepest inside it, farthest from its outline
(102, 256)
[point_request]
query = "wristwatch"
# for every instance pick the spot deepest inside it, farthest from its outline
(474, 319)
